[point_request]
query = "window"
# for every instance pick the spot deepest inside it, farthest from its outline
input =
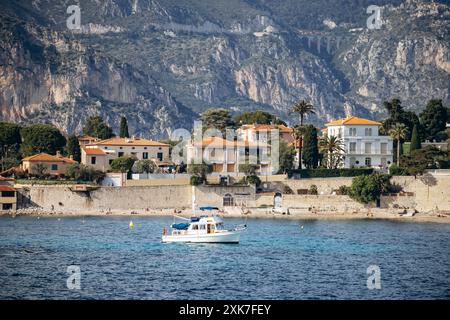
(144, 155)
(352, 161)
(228, 200)
(120, 154)
(213, 153)
(160, 156)
(383, 147)
(352, 147)
(93, 160)
(120, 148)
(368, 162)
(368, 148)
(353, 132)
(7, 194)
(145, 148)
(54, 167)
(368, 132)
(133, 148)
(110, 161)
(7, 206)
(202, 227)
(106, 147)
(195, 227)
(340, 133)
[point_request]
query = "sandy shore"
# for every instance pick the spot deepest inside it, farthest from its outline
(373, 214)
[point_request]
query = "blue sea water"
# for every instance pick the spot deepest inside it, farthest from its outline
(276, 259)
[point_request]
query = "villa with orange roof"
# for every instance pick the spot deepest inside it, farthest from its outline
(364, 147)
(261, 132)
(225, 156)
(55, 164)
(100, 154)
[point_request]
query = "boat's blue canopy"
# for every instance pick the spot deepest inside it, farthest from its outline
(180, 226)
(208, 208)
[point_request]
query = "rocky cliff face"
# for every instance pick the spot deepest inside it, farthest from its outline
(162, 62)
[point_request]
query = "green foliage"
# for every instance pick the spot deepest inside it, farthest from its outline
(196, 180)
(344, 190)
(39, 170)
(426, 158)
(253, 179)
(433, 120)
(368, 188)
(122, 164)
(330, 173)
(218, 118)
(96, 127)
(39, 138)
(248, 169)
(415, 139)
(310, 153)
(286, 157)
(199, 170)
(257, 117)
(397, 115)
(124, 128)
(10, 140)
(313, 190)
(395, 170)
(73, 148)
(332, 149)
(144, 166)
(80, 172)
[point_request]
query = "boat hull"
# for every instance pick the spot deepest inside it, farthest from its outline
(225, 237)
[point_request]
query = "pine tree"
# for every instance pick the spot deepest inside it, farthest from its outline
(310, 154)
(124, 128)
(73, 148)
(415, 139)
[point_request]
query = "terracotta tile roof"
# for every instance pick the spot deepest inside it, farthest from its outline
(6, 188)
(93, 151)
(220, 142)
(86, 138)
(129, 142)
(45, 157)
(267, 127)
(352, 121)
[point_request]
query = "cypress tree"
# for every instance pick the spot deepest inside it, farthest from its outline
(310, 154)
(124, 128)
(415, 139)
(73, 148)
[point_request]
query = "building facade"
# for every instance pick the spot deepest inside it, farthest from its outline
(8, 195)
(225, 156)
(100, 154)
(363, 145)
(55, 165)
(261, 132)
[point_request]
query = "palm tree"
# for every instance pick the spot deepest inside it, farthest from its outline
(303, 108)
(333, 148)
(398, 132)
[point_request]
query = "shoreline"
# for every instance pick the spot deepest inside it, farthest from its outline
(382, 214)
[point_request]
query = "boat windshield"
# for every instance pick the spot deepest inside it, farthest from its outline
(219, 226)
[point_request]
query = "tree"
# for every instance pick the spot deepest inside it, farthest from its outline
(429, 157)
(433, 120)
(39, 138)
(73, 148)
(122, 164)
(10, 140)
(198, 173)
(286, 157)
(303, 108)
(415, 139)
(332, 148)
(398, 132)
(96, 127)
(398, 115)
(250, 173)
(369, 188)
(81, 172)
(39, 169)
(124, 128)
(144, 166)
(257, 117)
(218, 118)
(310, 147)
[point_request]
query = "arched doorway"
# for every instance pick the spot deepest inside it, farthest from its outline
(228, 200)
(277, 200)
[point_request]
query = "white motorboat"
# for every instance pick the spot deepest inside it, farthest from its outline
(203, 229)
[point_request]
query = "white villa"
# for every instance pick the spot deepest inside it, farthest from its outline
(225, 155)
(363, 145)
(100, 154)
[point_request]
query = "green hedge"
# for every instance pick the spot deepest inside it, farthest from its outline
(329, 173)
(394, 170)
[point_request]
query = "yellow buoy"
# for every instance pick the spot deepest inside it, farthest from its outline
(131, 225)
